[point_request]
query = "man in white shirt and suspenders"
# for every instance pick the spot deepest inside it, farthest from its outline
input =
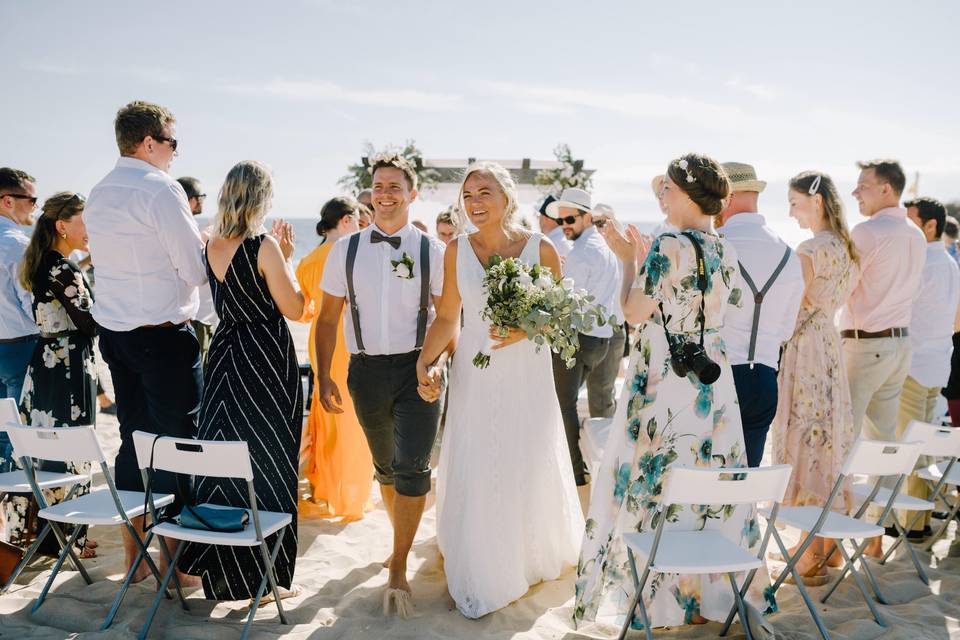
(771, 282)
(386, 274)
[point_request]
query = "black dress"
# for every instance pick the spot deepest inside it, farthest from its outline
(60, 388)
(251, 392)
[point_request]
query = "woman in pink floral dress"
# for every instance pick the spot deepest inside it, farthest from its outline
(813, 428)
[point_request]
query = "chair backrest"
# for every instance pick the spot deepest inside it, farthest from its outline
(935, 440)
(214, 458)
(881, 458)
(9, 413)
(59, 444)
(694, 485)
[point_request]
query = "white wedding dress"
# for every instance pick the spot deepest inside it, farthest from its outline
(508, 512)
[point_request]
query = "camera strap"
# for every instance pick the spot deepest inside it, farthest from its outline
(701, 285)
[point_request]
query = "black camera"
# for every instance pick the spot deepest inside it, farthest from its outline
(690, 357)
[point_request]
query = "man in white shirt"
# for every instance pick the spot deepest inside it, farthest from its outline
(148, 255)
(594, 267)
(551, 228)
(771, 282)
(389, 312)
(206, 320)
(935, 308)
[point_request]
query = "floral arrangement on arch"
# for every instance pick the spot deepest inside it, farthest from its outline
(571, 174)
(359, 176)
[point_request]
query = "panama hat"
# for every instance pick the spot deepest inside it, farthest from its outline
(571, 197)
(546, 203)
(743, 177)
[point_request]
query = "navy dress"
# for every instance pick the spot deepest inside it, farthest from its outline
(251, 392)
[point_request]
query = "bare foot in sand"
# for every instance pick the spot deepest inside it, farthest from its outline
(398, 576)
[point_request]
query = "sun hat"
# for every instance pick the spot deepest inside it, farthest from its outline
(546, 203)
(604, 210)
(572, 198)
(743, 177)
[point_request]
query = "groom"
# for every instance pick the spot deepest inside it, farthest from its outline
(386, 273)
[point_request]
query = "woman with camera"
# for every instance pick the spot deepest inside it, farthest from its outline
(679, 404)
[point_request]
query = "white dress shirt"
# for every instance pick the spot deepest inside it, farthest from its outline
(388, 304)
(145, 246)
(16, 310)
(931, 324)
(594, 267)
(559, 240)
(760, 250)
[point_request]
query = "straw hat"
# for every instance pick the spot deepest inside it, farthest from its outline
(743, 177)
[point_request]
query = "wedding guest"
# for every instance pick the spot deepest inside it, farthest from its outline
(951, 233)
(18, 331)
(592, 266)
(874, 322)
(771, 282)
(446, 225)
(389, 313)
(148, 253)
(935, 311)
(551, 227)
(601, 391)
(813, 427)
(337, 459)
(60, 385)
(206, 320)
(951, 391)
(252, 390)
(669, 419)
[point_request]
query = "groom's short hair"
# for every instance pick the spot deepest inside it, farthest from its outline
(396, 161)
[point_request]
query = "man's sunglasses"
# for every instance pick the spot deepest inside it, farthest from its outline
(570, 219)
(20, 196)
(172, 141)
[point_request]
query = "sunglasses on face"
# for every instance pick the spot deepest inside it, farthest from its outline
(570, 219)
(20, 196)
(172, 141)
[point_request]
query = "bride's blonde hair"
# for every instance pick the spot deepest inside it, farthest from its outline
(511, 215)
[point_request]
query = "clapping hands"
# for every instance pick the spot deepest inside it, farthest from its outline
(629, 245)
(283, 233)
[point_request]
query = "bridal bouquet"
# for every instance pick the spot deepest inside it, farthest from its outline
(545, 307)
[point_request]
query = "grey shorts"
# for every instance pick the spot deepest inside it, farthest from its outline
(400, 425)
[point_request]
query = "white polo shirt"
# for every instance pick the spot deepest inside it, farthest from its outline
(146, 248)
(760, 250)
(594, 267)
(388, 304)
(931, 323)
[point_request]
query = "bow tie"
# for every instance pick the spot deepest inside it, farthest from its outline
(393, 241)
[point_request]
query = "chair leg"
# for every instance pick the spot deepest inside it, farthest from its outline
(928, 545)
(268, 576)
(176, 579)
(859, 581)
(64, 551)
(142, 549)
(125, 585)
(791, 566)
(637, 597)
(902, 537)
(27, 557)
(849, 566)
(741, 607)
(161, 591)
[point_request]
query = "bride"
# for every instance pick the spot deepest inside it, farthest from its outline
(508, 513)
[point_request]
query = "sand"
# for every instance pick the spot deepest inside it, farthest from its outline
(342, 579)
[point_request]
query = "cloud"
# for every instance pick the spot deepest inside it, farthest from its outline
(765, 92)
(323, 91)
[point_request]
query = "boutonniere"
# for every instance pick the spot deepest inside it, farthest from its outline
(403, 268)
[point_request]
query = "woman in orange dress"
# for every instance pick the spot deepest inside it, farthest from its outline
(335, 451)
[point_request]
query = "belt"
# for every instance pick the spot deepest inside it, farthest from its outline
(163, 325)
(32, 336)
(895, 332)
(59, 334)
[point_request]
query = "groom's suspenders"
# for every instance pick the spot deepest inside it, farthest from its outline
(758, 299)
(352, 246)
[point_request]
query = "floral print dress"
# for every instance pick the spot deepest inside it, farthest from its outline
(663, 419)
(813, 429)
(60, 388)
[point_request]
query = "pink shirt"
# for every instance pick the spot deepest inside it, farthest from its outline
(892, 254)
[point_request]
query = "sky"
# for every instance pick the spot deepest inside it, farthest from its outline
(303, 84)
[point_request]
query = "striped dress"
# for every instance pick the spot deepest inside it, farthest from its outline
(251, 392)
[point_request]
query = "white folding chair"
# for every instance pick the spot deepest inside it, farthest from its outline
(867, 457)
(934, 441)
(17, 482)
(110, 507)
(703, 552)
(216, 459)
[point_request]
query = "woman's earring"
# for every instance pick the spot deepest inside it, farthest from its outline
(63, 235)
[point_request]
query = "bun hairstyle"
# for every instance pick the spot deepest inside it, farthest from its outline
(60, 206)
(811, 183)
(333, 211)
(703, 179)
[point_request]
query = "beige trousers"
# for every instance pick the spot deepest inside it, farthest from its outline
(876, 370)
(916, 403)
